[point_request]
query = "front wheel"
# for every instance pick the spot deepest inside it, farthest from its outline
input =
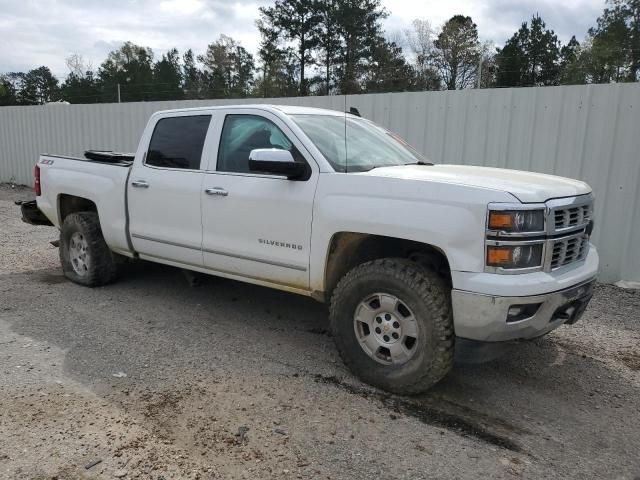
(392, 323)
(84, 255)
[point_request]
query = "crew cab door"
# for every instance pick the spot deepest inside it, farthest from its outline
(257, 225)
(164, 190)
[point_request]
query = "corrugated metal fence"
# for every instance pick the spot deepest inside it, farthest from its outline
(588, 132)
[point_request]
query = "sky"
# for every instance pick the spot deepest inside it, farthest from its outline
(45, 32)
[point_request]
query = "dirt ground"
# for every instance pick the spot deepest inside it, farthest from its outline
(151, 378)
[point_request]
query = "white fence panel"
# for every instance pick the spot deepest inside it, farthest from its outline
(588, 132)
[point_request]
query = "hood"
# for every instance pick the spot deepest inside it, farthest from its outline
(528, 187)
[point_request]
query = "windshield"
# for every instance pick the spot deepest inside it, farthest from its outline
(367, 145)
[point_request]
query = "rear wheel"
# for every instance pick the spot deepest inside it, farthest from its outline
(84, 255)
(392, 324)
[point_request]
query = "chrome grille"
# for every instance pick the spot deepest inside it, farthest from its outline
(570, 217)
(568, 225)
(568, 250)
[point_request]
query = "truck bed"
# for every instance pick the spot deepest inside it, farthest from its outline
(103, 182)
(95, 156)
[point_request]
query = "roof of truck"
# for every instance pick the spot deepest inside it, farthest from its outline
(286, 109)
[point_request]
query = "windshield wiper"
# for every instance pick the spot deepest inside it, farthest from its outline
(358, 170)
(419, 162)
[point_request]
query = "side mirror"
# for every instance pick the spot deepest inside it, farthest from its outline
(277, 162)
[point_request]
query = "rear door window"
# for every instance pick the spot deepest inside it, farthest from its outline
(177, 142)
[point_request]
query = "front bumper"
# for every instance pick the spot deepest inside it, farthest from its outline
(490, 318)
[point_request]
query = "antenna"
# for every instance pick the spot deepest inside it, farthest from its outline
(346, 153)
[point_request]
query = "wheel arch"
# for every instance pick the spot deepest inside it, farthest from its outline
(347, 250)
(68, 204)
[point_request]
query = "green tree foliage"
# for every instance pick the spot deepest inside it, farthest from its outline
(280, 78)
(340, 37)
(278, 65)
(456, 53)
(329, 42)
(130, 66)
(605, 60)
(328, 47)
(168, 77)
(5, 92)
(388, 70)
(297, 22)
(39, 87)
(631, 13)
(10, 86)
(360, 29)
(572, 67)
(268, 55)
(228, 69)
(80, 89)
(615, 43)
(531, 57)
(193, 81)
(80, 85)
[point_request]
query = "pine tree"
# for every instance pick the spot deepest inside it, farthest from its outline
(192, 77)
(296, 21)
(531, 57)
(131, 66)
(456, 53)
(10, 86)
(388, 70)
(228, 69)
(39, 87)
(360, 30)
(167, 77)
(571, 69)
(80, 86)
(615, 43)
(329, 42)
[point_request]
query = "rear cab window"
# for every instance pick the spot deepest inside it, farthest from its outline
(177, 142)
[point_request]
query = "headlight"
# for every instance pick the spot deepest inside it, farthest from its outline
(516, 221)
(514, 256)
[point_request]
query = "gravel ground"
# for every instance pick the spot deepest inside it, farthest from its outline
(157, 379)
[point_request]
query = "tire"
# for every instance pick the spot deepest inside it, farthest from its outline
(423, 309)
(82, 245)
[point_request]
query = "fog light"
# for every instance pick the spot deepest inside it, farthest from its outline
(517, 313)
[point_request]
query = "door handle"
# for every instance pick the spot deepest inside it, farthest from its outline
(139, 184)
(216, 191)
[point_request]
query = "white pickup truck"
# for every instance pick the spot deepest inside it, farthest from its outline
(416, 260)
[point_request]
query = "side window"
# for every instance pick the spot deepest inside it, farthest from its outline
(177, 142)
(243, 133)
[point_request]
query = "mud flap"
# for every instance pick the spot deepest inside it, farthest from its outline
(32, 215)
